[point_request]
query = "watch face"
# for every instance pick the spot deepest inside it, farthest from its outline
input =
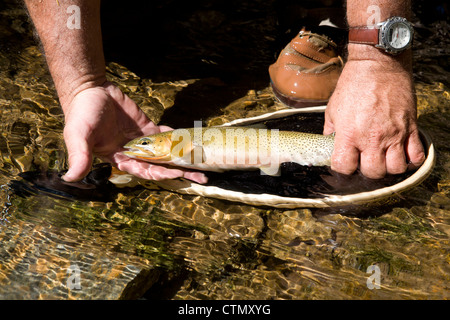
(399, 35)
(396, 35)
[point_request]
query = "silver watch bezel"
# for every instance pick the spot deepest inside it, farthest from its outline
(384, 28)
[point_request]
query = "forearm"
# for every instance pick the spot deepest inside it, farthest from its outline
(74, 56)
(358, 14)
(363, 13)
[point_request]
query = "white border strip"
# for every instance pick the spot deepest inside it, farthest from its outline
(273, 115)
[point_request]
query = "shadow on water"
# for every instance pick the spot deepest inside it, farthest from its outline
(94, 187)
(223, 43)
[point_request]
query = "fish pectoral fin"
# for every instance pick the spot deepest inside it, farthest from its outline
(270, 170)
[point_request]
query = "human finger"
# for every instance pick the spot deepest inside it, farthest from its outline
(328, 127)
(151, 171)
(373, 163)
(415, 154)
(345, 157)
(148, 171)
(198, 177)
(396, 159)
(165, 128)
(79, 157)
(146, 130)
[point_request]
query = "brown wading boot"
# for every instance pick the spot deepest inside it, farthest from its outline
(306, 71)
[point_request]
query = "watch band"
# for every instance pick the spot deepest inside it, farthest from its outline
(364, 35)
(385, 35)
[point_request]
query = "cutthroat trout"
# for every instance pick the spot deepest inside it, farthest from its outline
(232, 148)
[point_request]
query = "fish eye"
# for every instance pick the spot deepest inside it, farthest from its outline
(145, 141)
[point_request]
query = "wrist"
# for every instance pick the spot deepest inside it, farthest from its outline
(396, 63)
(68, 90)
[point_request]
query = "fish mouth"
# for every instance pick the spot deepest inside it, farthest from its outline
(144, 154)
(136, 152)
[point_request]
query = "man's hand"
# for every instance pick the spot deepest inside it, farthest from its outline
(100, 120)
(373, 115)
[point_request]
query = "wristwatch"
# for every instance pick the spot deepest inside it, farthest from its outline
(393, 35)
